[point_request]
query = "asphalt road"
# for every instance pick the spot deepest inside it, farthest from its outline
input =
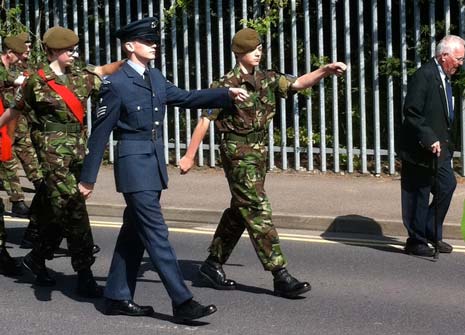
(360, 286)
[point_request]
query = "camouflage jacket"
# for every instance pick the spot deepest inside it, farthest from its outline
(256, 112)
(7, 86)
(42, 104)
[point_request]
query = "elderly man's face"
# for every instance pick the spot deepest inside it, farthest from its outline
(451, 61)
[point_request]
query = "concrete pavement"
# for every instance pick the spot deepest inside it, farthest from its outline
(301, 200)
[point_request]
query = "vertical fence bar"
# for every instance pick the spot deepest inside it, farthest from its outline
(362, 91)
(232, 23)
(432, 25)
(47, 14)
(75, 17)
(335, 98)
(163, 70)
(321, 54)
(198, 79)
(390, 89)
(96, 34)
(271, 163)
(37, 13)
(139, 9)
(174, 59)
(375, 85)
(447, 16)
(348, 61)
(295, 109)
(208, 25)
(244, 13)
(308, 68)
(107, 24)
(185, 28)
(128, 12)
(282, 102)
(416, 13)
(403, 50)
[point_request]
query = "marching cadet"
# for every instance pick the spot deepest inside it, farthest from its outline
(132, 103)
(13, 47)
(10, 168)
(53, 99)
(243, 154)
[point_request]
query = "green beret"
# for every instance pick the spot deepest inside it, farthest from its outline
(60, 38)
(24, 36)
(15, 44)
(245, 40)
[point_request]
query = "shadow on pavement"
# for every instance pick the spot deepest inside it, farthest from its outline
(361, 231)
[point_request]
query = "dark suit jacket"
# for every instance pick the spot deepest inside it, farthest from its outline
(134, 111)
(426, 118)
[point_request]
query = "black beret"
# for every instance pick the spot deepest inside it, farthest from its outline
(15, 44)
(145, 29)
(245, 40)
(60, 38)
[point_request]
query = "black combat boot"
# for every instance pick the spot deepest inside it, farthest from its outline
(287, 286)
(19, 209)
(191, 310)
(87, 287)
(212, 274)
(8, 266)
(36, 265)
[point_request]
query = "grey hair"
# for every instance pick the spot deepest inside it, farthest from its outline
(448, 44)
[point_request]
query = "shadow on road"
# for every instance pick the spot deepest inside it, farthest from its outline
(361, 231)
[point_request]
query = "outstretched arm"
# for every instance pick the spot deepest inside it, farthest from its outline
(187, 161)
(309, 79)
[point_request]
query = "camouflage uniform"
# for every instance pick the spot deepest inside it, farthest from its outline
(243, 155)
(23, 145)
(9, 169)
(61, 146)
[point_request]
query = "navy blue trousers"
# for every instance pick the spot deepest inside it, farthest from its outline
(144, 229)
(418, 213)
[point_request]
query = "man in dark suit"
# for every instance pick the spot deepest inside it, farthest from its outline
(426, 135)
(132, 104)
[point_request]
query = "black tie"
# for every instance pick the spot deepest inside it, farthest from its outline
(147, 78)
(449, 99)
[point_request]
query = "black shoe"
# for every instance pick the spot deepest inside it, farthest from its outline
(191, 310)
(126, 307)
(19, 209)
(287, 286)
(87, 287)
(37, 267)
(8, 266)
(418, 248)
(212, 273)
(443, 247)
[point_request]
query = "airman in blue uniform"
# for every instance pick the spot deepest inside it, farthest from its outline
(132, 104)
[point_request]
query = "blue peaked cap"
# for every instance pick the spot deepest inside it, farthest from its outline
(145, 29)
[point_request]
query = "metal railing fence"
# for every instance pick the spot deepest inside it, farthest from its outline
(345, 124)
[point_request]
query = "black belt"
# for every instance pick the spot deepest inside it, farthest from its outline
(64, 127)
(147, 135)
(253, 137)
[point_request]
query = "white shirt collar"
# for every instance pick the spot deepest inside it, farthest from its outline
(139, 69)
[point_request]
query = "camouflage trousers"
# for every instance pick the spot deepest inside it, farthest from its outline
(24, 152)
(65, 214)
(245, 169)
